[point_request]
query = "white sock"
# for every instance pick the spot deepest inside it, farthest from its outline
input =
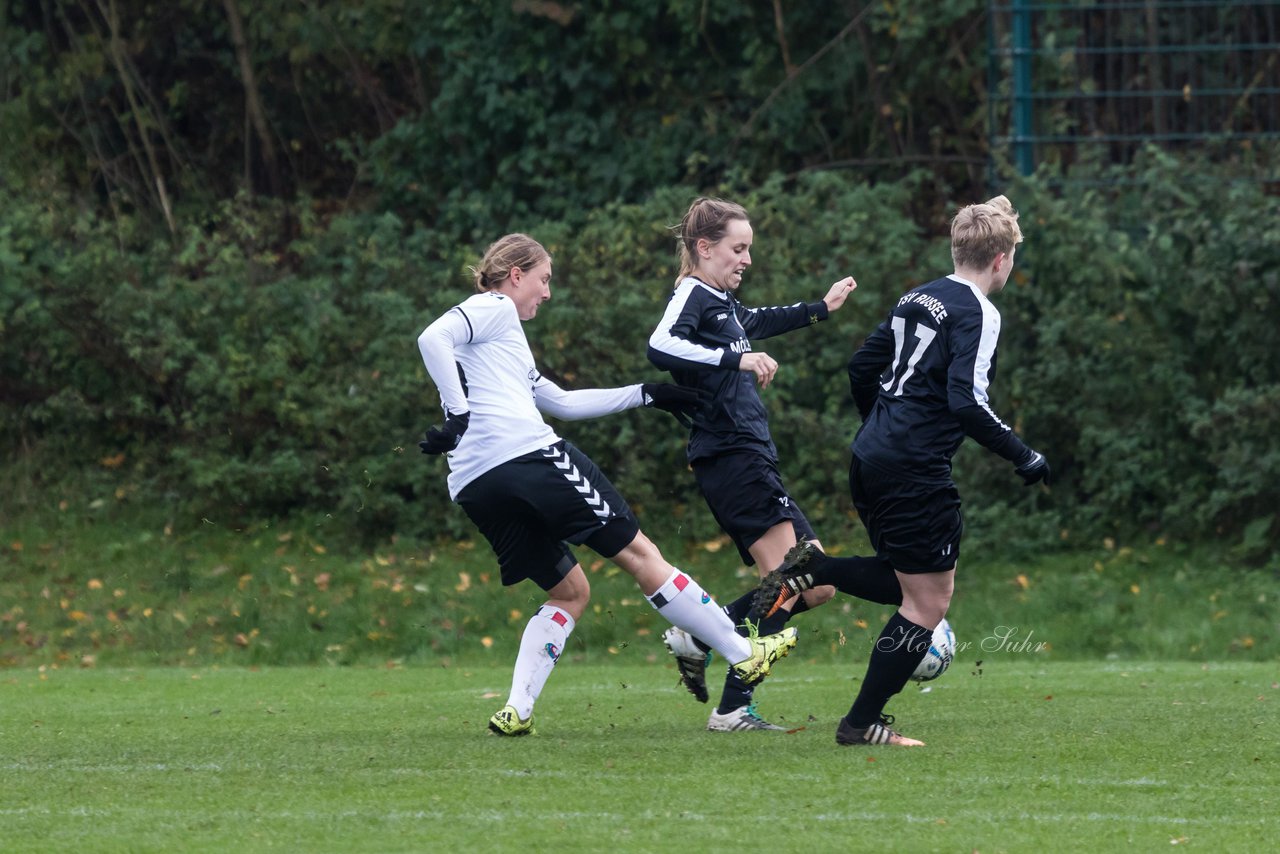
(684, 603)
(540, 647)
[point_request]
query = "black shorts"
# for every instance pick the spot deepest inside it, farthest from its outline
(915, 526)
(745, 493)
(529, 507)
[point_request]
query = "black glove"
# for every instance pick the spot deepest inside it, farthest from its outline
(442, 440)
(681, 401)
(1034, 469)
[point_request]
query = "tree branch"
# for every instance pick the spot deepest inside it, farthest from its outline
(808, 63)
(252, 100)
(883, 109)
(782, 38)
(112, 18)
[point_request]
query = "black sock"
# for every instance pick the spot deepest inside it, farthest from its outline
(869, 578)
(737, 693)
(894, 657)
(738, 608)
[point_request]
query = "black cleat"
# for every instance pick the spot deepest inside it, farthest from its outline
(691, 661)
(784, 583)
(878, 733)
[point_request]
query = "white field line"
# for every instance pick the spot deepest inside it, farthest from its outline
(502, 817)
(74, 767)
(121, 768)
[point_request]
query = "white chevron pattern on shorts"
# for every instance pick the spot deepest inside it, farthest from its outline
(594, 500)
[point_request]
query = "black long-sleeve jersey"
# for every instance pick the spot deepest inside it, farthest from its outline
(700, 340)
(920, 383)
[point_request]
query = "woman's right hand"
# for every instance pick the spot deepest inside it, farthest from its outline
(762, 365)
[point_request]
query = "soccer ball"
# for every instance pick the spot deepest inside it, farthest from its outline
(941, 650)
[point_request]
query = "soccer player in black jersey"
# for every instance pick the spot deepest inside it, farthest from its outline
(920, 382)
(704, 340)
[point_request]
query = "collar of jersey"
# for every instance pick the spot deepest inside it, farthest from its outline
(724, 295)
(973, 286)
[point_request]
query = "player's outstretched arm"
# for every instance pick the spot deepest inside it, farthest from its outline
(684, 402)
(577, 404)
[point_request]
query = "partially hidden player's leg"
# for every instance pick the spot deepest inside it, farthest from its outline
(894, 657)
(807, 567)
(544, 638)
(736, 711)
(682, 602)
(771, 549)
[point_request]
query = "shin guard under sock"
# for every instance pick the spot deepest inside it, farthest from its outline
(684, 604)
(894, 657)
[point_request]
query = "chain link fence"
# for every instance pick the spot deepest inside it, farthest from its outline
(1073, 82)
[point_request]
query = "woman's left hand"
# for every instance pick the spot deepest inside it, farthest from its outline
(839, 292)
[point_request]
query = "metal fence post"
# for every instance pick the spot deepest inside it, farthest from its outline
(1024, 156)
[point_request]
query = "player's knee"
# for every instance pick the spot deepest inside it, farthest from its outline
(572, 593)
(819, 595)
(925, 609)
(638, 554)
(575, 603)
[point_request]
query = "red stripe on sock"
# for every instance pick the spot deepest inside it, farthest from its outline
(559, 617)
(681, 581)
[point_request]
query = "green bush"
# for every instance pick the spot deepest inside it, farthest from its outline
(1142, 331)
(252, 375)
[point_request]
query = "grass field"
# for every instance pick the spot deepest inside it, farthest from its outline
(168, 684)
(1022, 755)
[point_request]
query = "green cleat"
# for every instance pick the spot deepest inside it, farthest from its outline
(764, 652)
(507, 722)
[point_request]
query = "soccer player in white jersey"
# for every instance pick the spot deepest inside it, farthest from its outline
(920, 382)
(531, 493)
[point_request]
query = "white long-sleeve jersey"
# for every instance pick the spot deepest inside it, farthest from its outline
(479, 359)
